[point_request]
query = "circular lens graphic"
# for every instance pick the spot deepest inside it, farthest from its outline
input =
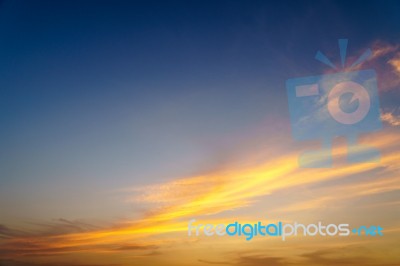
(359, 93)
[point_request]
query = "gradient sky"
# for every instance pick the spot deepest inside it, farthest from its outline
(115, 114)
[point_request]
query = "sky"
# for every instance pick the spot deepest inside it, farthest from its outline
(123, 120)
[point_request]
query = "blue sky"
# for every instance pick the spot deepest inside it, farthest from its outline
(98, 93)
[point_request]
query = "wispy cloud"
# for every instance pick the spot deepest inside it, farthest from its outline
(391, 118)
(350, 255)
(326, 196)
(385, 60)
(177, 201)
(26, 263)
(215, 262)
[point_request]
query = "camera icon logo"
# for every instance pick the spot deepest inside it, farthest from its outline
(339, 104)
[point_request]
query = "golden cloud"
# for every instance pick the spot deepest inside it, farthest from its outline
(390, 118)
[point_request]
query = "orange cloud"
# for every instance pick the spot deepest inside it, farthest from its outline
(380, 49)
(385, 60)
(390, 118)
(395, 62)
(213, 193)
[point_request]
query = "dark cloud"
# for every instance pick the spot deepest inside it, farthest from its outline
(6, 232)
(53, 228)
(40, 242)
(250, 261)
(135, 247)
(344, 256)
(63, 226)
(30, 248)
(334, 257)
(215, 262)
(258, 261)
(27, 263)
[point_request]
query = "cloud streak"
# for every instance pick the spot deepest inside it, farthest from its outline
(391, 118)
(218, 192)
(385, 60)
